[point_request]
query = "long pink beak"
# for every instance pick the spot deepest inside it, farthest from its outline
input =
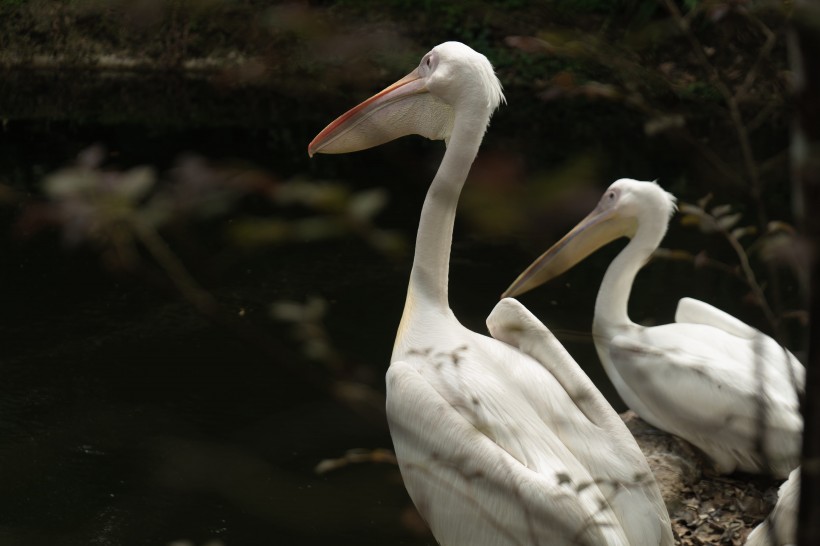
(375, 121)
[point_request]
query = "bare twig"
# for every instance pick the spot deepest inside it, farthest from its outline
(200, 298)
(724, 223)
(763, 54)
(730, 98)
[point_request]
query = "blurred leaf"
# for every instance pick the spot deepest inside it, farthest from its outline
(740, 232)
(357, 456)
(293, 311)
(703, 222)
(136, 183)
(597, 90)
(701, 259)
(316, 229)
(365, 204)
(720, 210)
(70, 182)
(319, 195)
(686, 208)
(387, 242)
(364, 399)
(780, 247)
(664, 123)
(91, 157)
(729, 221)
(777, 225)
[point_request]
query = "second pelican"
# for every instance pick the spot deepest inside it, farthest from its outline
(709, 378)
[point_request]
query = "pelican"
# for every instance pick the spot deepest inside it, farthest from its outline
(780, 527)
(708, 377)
(499, 441)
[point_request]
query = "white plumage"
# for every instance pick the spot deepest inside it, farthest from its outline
(709, 378)
(780, 527)
(497, 445)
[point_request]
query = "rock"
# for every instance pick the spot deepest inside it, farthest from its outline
(705, 508)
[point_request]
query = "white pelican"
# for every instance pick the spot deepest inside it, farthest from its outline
(496, 447)
(708, 377)
(780, 527)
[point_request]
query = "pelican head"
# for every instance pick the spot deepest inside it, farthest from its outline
(451, 78)
(626, 205)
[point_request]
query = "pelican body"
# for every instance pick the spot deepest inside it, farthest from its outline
(709, 378)
(500, 441)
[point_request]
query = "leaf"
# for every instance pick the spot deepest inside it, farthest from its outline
(687, 208)
(316, 195)
(780, 247)
(293, 311)
(701, 259)
(705, 223)
(737, 233)
(71, 182)
(387, 242)
(728, 222)
(703, 201)
(662, 124)
(316, 229)
(135, 184)
(721, 210)
(690, 220)
(365, 204)
(597, 90)
(777, 226)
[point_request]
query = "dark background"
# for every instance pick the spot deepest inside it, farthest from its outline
(141, 405)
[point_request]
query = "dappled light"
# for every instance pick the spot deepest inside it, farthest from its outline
(199, 317)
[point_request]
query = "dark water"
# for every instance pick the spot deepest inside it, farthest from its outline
(127, 417)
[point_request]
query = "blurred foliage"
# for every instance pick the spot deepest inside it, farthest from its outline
(599, 89)
(113, 209)
(694, 93)
(778, 245)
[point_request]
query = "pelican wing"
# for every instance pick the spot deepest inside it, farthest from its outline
(780, 527)
(471, 490)
(616, 459)
(698, 312)
(719, 391)
(513, 324)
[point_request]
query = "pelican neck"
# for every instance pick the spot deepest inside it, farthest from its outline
(612, 303)
(431, 261)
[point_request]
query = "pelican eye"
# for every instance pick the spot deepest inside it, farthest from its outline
(427, 62)
(609, 198)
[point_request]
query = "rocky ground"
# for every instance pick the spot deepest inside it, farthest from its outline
(705, 508)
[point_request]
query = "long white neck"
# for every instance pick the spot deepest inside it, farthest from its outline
(611, 305)
(431, 263)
